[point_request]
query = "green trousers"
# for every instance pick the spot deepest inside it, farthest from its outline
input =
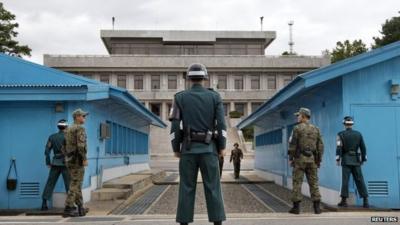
(189, 165)
(358, 179)
(236, 169)
(54, 173)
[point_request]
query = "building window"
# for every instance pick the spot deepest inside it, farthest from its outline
(271, 82)
(222, 81)
(226, 107)
(255, 82)
(86, 75)
(105, 78)
(172, 82)
(121, 81)
(255, 106)
(287, 80)
(238, 82)
(155, 82)
(155, 108)
(240, 107)
(138, 82)
(126, 141)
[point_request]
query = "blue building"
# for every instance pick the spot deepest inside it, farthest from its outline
(366, 87)
(33, 98)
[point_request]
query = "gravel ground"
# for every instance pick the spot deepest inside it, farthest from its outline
(236, 200)
(285, 194)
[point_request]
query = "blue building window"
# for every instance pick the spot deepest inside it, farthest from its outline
(126, 141)
(270, 138)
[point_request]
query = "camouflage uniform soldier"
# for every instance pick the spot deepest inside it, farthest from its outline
(75, 151)
(57, 164)
(305, 154)
(236, 157)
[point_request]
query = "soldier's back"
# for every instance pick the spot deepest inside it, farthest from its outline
(198, 107)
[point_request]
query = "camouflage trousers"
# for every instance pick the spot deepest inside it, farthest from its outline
(76, 173)
(311, 171)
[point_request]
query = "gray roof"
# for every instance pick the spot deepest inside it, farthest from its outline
(206, 36)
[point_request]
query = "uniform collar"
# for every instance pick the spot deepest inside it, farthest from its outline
(349, 128)
(197, 86)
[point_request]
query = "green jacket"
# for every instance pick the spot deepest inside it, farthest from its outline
(55, 143)
(350, 148)
(202, 110)
(305, 138)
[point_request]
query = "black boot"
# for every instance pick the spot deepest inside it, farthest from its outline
(183, 223)
(317, 208)
(70, 212)
(343, 203)
(81, 210)
(44, 205)
(296, 208)
(218, 223)
(365, 203)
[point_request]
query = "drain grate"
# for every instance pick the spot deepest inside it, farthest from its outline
(274, 203)
(171, 178)
(143, 203)
(95, 219)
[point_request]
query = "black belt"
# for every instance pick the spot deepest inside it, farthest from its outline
(198, 136)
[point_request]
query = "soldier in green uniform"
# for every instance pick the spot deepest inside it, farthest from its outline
(351, 154)
(75, 158)
(236, 157)
(57, 165)
(198, 136)
(305, 154)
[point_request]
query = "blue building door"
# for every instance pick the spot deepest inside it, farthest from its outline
(380, 126)
(24, 132)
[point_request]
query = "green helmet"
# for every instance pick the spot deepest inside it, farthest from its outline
(197, 71)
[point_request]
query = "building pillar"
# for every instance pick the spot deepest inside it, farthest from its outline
(129, 82)
(113, 79)
(147, 105)
(232, 106)
(164, 111)
(248, 108)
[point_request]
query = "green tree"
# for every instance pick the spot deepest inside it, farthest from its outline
(347, 49)
(390, 32)
(288, 53)
(7, 35)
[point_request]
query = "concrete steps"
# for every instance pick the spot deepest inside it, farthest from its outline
(123, 187)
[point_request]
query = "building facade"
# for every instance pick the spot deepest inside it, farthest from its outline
(151, 64)
(33, 98)
(366, 87)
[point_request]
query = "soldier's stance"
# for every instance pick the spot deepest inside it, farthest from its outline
(198, 145)
(351, 154)
(75, 151)
(236, 157)
(57, 164)
(305, 155)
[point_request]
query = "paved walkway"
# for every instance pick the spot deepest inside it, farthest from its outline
(359, 218)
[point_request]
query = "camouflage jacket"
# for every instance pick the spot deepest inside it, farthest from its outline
(75, 142)
(306, 138)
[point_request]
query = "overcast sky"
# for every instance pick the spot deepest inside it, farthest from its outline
(73, 26)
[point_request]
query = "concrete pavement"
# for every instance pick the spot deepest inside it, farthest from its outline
(353, 218)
